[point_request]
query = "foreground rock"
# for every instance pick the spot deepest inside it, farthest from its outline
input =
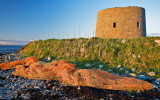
(69, 75)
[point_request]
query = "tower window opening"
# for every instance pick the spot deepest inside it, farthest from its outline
(114, 25)
(138, 24)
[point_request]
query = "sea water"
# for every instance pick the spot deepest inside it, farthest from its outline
(5, 49)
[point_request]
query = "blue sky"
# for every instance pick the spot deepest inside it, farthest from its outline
(22, 21)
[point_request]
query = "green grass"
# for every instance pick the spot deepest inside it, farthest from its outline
(96, 51)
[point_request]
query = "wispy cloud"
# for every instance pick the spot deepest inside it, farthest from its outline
(2, 43)
(14, 42)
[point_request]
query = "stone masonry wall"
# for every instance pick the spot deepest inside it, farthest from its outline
(126, 20)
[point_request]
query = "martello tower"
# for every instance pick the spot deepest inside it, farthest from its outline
(121, 22)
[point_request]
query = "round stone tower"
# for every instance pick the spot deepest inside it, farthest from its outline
(121, 22)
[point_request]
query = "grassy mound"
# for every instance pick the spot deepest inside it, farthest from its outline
(142, 54)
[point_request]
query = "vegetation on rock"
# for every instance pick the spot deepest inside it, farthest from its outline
(142, 54)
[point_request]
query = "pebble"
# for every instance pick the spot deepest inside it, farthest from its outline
(25, 95)
(13, 85)
(158, 79)
(119, 66)
(127, 71)
(109, 70)
(101, 66)
(121, 69)
(157, 82)
(37, 87)
(11, 57)
(123, 41)
(53, 88)
(134, 56)
(132, 74)
(152, 73)
(142, 77)
(157, 41)
(79, 87)
(49, 58)
(133, 69)
(88, 65)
